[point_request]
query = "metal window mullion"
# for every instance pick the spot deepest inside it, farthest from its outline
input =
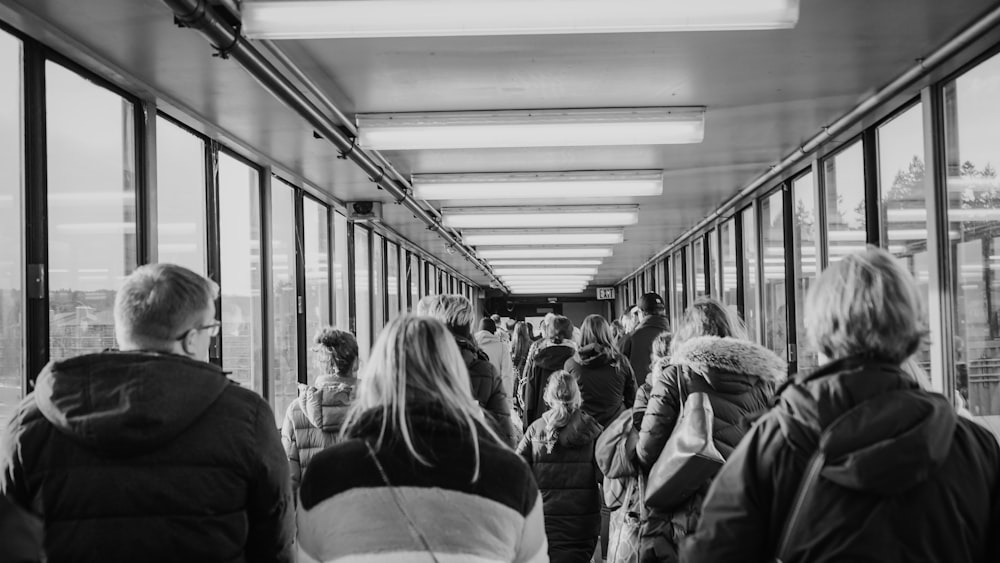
(791, 327)
(738, 243)
(352, 305)
(213, 239)
(870, 160)
(144, 120)
(266, 282)
(819, 196)
(301, 298)
(758, 213)
(35, 212)
(331, 288)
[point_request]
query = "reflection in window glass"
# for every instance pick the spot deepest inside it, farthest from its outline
(772, 213)
(92, 210)
(844, 180)
(392, 279)
(729, 272)
(340, 288)
(431, 287)
(284, 374)
(413, 274)
(362, 292)
(973, 152)
(713, 263)
(316, 252)
(750, 274)
(378, 285)
(904, 199)
(679, 272)
(180, 197)
(239, 230)
(11, 273)
(805, 264)
(698, 261)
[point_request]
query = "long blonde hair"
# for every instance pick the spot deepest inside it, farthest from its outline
(562, 395)
(415, 360)
(708, 317)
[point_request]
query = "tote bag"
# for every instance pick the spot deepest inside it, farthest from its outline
(689, 457)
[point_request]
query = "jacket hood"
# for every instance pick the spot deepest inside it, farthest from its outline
(580, 431)
(325, 403)
(596, 355)
(719, 359)
(127, 401)
(470, 352)
(484, 337)
(553, 357)
(892, 438)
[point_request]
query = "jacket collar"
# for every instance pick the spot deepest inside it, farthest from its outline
(707, 355)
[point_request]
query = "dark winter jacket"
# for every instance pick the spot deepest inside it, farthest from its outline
(606, 381)
(313, 421)
(487, 387)
(638, 346)
(20, 534)
(568, 478)
(906, 479)
(548, 359)
(135, 456)
(347, 511)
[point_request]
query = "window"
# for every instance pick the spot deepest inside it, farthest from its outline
(664, 279)
(972, 152)
(713, 263)
(805, 263)
(362, 292)
(239, 228)
(698, 261)
(92, 210)
(316, 252)
(413, 275)
(392, 279)
(284, 374)
(844, 180)
(378, 285)
(750, 273)
(431, 287)
(772, 214)
(904, 199)
(727, 232)
(679, 272)
(12, 344)
(180, 197)
(340, 287)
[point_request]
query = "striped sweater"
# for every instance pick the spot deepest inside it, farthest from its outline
(347, 513)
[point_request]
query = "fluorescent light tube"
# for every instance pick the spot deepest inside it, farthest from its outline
(535, 252)
(543, 237)
(539, 185)
(545, 271)
(508, 217)
(543, 263)
(531, 128)
(545, 291)
(329, 19)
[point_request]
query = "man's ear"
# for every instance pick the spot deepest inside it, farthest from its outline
(187, 343)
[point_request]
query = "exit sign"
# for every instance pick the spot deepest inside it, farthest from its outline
(607, 293)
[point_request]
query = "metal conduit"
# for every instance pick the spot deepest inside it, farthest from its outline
(197, 14)
(897, 86)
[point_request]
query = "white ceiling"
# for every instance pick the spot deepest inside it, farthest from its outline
(765, 92)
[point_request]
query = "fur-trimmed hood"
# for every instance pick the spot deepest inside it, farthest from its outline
(712, 357)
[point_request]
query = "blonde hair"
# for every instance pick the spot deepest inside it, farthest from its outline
(866, 305)
(159, 301)
(596, 330)
(455, 311)
(416, 361)
(562, 395)
(708, 317)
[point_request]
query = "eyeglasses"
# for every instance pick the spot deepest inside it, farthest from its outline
(213, 326)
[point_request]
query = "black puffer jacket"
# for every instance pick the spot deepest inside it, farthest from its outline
(606, 381)
(536, 376)
(567, 477)
(906, 479)
(487, 388)
(149, 457)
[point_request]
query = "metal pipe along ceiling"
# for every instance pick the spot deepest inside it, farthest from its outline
(197, 14)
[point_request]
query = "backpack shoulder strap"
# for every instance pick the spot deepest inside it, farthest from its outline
(809, 479)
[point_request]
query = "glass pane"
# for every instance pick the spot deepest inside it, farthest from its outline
(713, 263)
(284, 375)
(378, 285)
(805, 263)
(662, 287)
(431, 280)
(844, 180)
(12, 344)
(180, 197)
(341, 298)
(413, 274)
(698, 261)
(239, 228)
(316, 249)
(729, 272)
(678, 283)
(772, 212)
(750, 273)
(92, 211)
(362, 293)
(392, 279)
(973, 148)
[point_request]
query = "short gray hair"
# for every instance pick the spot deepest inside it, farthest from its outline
(455, 311)
(867, 305)
(159, 301)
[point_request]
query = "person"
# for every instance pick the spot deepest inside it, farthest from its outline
(559, 447)
(150, 453)
(552, 355)
(501, 330)
(604, 374)
(419, 474)
(520, 343)
(636, 346)
(499, 354)
(709, 354)
(456, 312)
(903, 477)
(617, 332)
(313, 421)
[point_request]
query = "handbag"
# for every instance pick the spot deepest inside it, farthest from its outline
(625, 526)
(689, 457)
(615, 448)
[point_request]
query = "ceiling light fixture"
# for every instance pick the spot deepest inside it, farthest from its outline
(539, 185)
(544, 263)
(531, 128)
(543, 237)
(545, 291)
(508, 217)
(536, 252)
(582, 271)
(330, 19)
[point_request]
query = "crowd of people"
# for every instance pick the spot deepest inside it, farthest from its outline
(465, 439)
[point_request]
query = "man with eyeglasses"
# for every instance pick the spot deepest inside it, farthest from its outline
(150, 453)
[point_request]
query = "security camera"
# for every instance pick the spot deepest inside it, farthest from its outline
(362, 207)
